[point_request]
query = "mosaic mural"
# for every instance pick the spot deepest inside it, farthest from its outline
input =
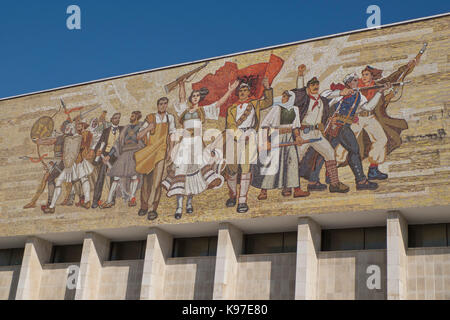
(350, 123)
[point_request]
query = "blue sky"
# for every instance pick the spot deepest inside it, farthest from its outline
(38, 52)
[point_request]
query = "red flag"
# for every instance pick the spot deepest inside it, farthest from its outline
(218, 82)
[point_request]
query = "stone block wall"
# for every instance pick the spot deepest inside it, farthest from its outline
(54, 282)
(428, 274)
(343, 275)
(9, 277)
(121, 280)
(266, 276)
(189, 278)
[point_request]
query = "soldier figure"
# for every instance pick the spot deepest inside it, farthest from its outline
(243, 117)
(76, 154)
(55, 168)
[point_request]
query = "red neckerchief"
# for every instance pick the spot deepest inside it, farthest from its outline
(241, 103)
(367, 93)
(316, 103)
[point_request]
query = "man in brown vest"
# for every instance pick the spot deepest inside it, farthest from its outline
(151, 160)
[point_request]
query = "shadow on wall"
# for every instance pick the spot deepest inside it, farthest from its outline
(199, 270)
(266, 276)
(363, 260)
(134, 283)
(14, 280)
(344, 275)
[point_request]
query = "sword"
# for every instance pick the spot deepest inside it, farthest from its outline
(84, 113)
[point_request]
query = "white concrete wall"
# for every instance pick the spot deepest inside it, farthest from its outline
(229, 247)
(95, 252)
(308, 247)
(121, 280)
(54, 282)
(397, 244)
(189, 278)
(343, 275)
(159, 249)
(422, 273)
(37, 253)
(428, 273)
(266, 276)
(9, 278)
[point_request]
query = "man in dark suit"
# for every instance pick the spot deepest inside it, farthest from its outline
(314, 111)
(103, 148)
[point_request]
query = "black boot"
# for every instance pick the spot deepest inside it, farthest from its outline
(231, 202)
(242, 208)
(316, 186)
(366, 185)
(142, 212)
(152, 215)
(375, 174)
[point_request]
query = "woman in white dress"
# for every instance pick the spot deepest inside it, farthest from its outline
(194, 170)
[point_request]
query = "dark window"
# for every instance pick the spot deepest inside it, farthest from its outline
(354, 239)
(343, 239)
(270, 243)
(290, 242)
(428, 235)
(11, 257)
(375, 238)
(66, 254)
(194, 247)
(448, 234)
(128, 250)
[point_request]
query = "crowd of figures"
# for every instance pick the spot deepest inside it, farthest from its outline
(305, 129)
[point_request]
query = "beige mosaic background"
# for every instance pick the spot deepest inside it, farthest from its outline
(419, 170)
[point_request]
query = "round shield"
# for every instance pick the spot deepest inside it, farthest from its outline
(42, 128)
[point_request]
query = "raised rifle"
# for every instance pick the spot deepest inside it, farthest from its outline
(379, 86)
(169, 87)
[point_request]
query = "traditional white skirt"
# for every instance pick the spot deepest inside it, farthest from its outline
(78, 171)
(193, 170)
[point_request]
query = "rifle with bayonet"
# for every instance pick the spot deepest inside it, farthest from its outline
(169, 87)
(379, 86)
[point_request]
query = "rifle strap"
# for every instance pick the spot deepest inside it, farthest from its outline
(245, 115)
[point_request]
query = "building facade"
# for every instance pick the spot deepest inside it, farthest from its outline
(98, 201)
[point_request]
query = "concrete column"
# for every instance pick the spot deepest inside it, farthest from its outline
(397, 244)
(37, 253)
(308, 248)
(229, 247)
(159, 249)
(95, 251)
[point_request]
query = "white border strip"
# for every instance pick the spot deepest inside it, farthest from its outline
(227, 56)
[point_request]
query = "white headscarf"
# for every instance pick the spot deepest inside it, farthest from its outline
(288, 105)
(350, 77)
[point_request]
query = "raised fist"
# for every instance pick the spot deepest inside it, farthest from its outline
(301, 70)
